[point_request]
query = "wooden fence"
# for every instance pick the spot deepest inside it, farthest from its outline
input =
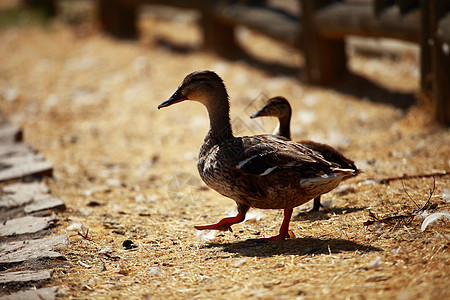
(318, 30)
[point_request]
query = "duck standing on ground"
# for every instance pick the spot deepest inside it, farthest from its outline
(280, 108)
(261, 171)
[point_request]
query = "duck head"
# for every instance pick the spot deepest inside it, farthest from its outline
(276, 107)
(205, 87)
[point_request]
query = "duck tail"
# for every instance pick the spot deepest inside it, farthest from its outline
(348, 172)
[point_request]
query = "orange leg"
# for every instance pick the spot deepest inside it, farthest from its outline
(283, 229)
(225, 223)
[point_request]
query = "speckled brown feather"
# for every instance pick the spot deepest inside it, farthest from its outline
(300, 173)
(331, 154)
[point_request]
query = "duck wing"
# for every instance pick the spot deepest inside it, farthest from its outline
(331, 154)
(261, 155)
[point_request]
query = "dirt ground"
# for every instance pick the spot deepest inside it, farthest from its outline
(127, 171)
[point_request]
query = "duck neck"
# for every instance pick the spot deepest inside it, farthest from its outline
(219, 120)
(284, 129)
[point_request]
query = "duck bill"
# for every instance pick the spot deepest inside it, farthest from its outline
(175, 98)
(261, 113)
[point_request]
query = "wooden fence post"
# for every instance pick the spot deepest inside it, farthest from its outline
(380, 5)
(325, 59)
(118, 18)
(435, 56)
(48, 7)
(426, 75)
(218, 35)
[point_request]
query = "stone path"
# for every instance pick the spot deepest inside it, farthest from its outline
(26, 219)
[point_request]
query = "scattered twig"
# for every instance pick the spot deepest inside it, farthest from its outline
(143, 247)
(84, 232)
(406, 176)
(406, 192)
(85, 265)
(406, 218)
(389, 219)
(428, 204)
(81, 229)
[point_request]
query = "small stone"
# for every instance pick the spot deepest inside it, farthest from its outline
(74, 226)
(139, 198)
(128, 245)
(375, 263)
(155, 271)
(105, 250)
(113, 182)
(446, 195)
(94, 203)
(239, 262)
(11, 94)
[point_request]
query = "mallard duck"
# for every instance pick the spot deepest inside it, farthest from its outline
(260, 171)
(280, 108)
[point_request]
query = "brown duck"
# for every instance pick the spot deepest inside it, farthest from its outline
(280, 108)
(261, 171)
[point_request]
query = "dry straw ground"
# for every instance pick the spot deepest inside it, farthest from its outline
(127, 171)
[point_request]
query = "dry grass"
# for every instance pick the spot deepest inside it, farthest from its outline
(88, 103)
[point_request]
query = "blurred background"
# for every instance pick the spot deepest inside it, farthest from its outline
(320, 36)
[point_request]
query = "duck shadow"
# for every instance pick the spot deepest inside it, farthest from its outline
(296, 246)
(324, 214)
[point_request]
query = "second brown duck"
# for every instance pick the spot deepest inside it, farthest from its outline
(280, 108)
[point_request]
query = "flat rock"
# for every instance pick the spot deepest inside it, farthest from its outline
(27, 224)
(25, 168)
(48, 293)
(19, 251)
(19, 160)
(45, 203)
(29, 188)
(10, 133)
(25, 276)
(18, 194)
(14, 149)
